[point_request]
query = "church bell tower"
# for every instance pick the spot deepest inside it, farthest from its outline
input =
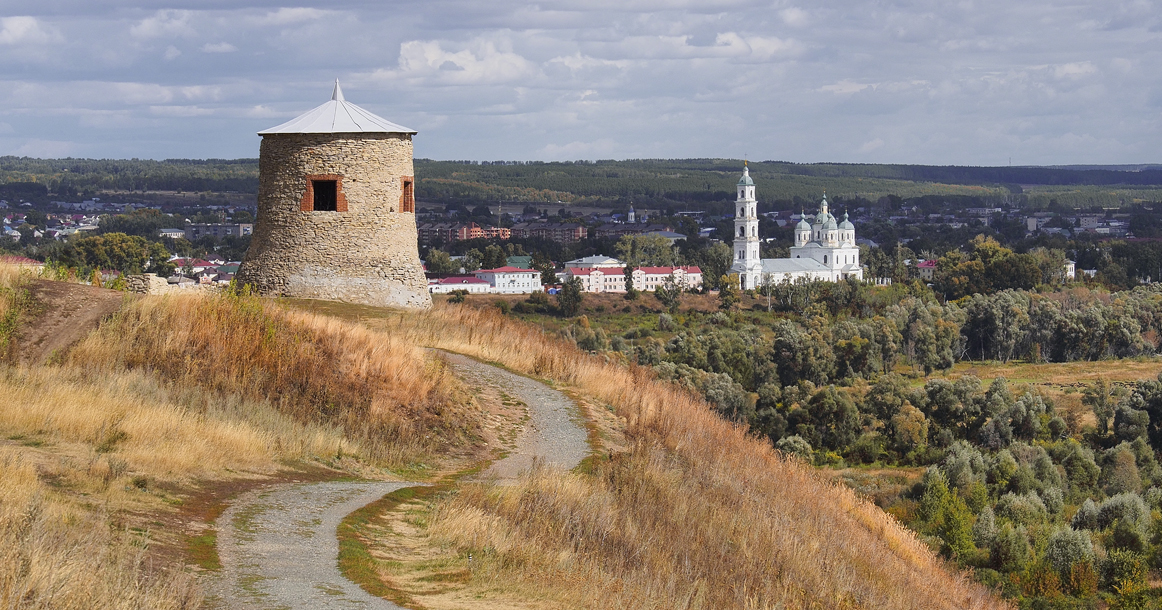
(747, 263)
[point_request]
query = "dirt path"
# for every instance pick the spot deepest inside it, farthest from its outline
(551, 432)
(278, 546)
(63, 314)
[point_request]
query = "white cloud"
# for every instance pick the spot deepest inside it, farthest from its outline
(45, 149)
(1074, 70)
(756, 47)
(171, 52)
(287, 16)
(846, 87)
(179, 111)
(481, 62)
(25, 30)
(218, 47)
(871, 145)
(794, 16)
(164, 24)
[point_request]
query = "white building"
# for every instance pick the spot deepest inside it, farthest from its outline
(594, 262)
(612, 279)
(824, 249)
(511, 280)
(472, 284)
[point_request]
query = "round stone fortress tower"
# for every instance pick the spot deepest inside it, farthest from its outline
(336, 210)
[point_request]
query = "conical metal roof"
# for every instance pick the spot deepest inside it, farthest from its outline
(337, 116)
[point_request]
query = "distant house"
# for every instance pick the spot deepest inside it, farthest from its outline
(472, 284)
(1070, 270)
(926, 270)
(218, 230)
(511, 280)
(171, 233)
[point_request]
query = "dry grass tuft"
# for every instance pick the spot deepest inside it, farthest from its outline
(695, 515)
(385, 394)
(52, 556)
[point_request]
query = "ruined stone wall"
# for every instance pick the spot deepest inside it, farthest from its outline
(367, 254)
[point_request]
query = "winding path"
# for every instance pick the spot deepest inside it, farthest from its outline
(553, 433)
(279, 545)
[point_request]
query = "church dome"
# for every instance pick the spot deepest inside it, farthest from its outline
(830, 226)
(846, 224)
(803, 225)
(746, 179)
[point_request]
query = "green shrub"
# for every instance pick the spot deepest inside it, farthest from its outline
(1010, 549)
(1026, 509)
(795, 445)
(984, 531)
(1067, 547)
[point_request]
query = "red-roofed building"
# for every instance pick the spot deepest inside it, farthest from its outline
(926, 270)
(511, 280)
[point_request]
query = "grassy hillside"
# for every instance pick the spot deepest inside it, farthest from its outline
(107, 456)
(692, 513)
(108, 449)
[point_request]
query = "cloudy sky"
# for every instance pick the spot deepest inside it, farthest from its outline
(975, 82)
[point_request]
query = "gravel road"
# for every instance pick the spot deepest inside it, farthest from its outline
(552, 432)
(279, 547)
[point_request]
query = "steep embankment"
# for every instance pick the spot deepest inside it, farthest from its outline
(693, 514)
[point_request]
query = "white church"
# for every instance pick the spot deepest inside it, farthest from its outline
(824, 249)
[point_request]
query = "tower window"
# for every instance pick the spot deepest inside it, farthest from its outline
(407, 196)
(324, 193)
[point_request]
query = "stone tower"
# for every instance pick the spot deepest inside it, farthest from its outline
(336, 210)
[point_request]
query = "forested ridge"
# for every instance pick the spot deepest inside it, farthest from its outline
(688, 181)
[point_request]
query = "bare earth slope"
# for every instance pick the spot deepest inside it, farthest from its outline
(63, 314)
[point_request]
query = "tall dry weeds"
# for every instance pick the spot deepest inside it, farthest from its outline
(55, 557)
(383, 392)
(695, 515)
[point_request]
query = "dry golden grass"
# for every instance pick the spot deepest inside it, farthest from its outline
(53, 555)
(386, 394)
(166, 433)
(694, 515)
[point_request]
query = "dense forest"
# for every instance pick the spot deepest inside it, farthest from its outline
(689, 182)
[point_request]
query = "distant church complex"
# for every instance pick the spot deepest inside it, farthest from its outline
(824, 248)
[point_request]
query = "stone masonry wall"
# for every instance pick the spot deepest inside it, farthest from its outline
(367, 254)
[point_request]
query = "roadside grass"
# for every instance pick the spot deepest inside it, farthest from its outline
(693, 514)
(395, 404)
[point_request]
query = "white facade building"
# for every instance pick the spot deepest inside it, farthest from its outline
(824, 249)
(511, 280)
(472, 284)
(612, 279)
